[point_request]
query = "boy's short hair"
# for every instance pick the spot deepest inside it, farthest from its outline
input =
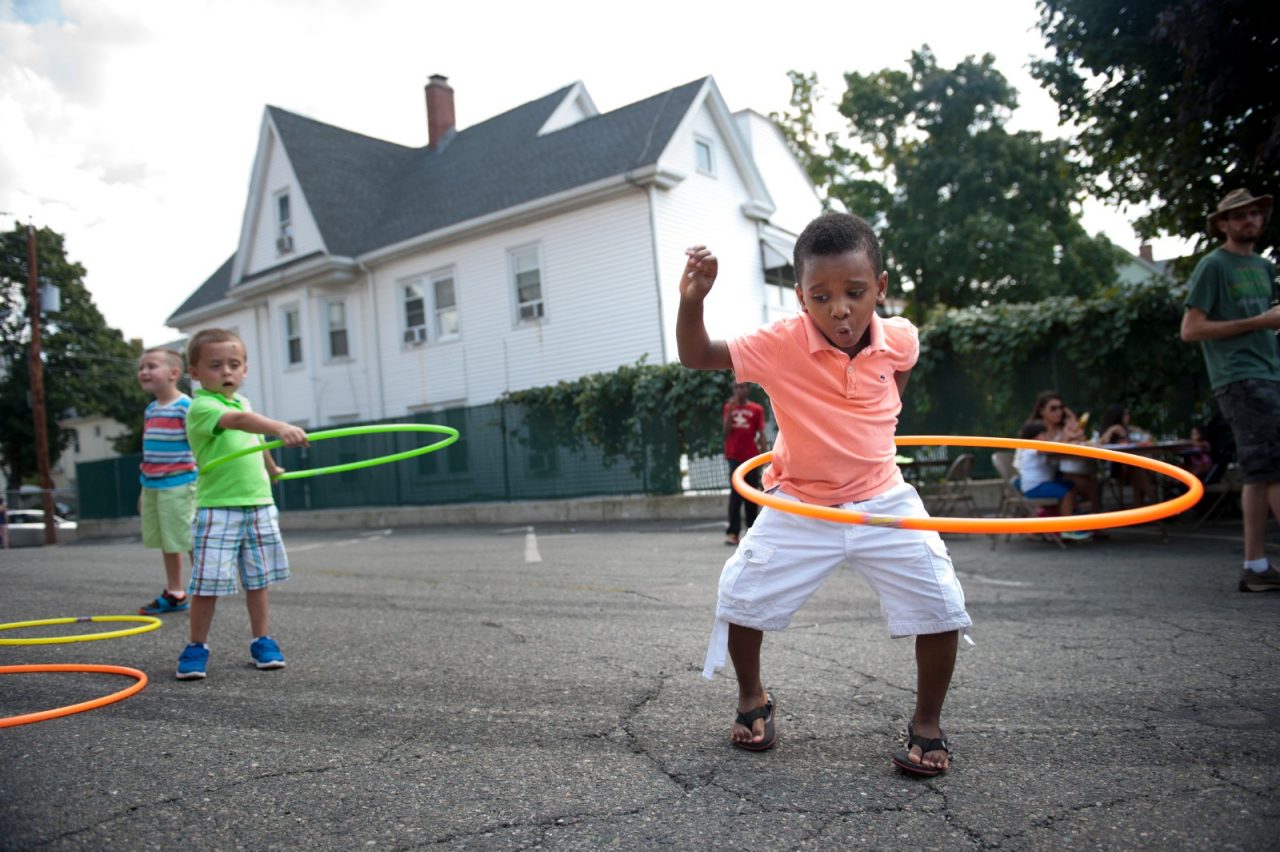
(173, 358)
(836, 233)
(212, 335)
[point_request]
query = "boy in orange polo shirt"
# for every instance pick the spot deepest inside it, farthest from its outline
(834, 374)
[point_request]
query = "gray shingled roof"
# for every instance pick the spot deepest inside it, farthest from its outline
(365, 193)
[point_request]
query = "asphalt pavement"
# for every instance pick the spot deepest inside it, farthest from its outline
(480, 687)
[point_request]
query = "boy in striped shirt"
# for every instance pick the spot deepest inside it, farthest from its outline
(167, 503)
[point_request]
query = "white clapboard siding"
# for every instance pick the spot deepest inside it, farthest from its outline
(599, 299)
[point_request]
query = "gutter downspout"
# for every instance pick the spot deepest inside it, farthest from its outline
(657, 268)
(372, 337)
(311, 362)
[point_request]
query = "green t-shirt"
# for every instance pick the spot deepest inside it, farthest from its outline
(241, 482)
(1229, 286)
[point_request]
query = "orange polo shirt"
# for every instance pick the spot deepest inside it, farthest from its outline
(836, 415)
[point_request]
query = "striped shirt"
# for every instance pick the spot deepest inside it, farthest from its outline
(166, 456)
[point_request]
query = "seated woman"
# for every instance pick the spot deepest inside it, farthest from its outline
(1061, 425)
(1199, 459)
(1116, 428)
(1038, 476)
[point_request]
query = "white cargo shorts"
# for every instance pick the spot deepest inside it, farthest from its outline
(784, 558)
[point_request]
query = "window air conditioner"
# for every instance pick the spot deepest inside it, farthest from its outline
(284, 244)
(415, 335)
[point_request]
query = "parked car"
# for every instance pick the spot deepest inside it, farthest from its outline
(26, 528)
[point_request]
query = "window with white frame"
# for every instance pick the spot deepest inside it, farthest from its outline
(781, 284)
(414, 299)
(445, 305)
(292, 318)
(336, 325)
(284, 223)
(526, 279)
(704, 155)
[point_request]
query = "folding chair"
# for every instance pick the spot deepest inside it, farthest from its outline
(953, 494)
(1013, 503)
(1222, 483)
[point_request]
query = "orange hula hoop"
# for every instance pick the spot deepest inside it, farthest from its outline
(28, 718)
(993, 526)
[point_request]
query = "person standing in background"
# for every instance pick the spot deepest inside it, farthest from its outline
(743, 439)
(1231, 315)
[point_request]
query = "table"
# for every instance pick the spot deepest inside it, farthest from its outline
(1153, 448)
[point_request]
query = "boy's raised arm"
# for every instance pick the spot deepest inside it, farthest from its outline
(695, 346)
(249, 421)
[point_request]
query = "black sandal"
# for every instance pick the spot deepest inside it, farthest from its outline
(746, 719)
(902, 757)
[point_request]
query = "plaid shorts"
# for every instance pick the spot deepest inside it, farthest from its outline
(1252, 407)
(237, 542)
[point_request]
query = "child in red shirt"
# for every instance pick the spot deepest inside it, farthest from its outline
(743, 439)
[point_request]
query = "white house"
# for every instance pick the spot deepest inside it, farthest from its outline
(373, 280)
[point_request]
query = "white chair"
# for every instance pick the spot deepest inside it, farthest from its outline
(1013, 503)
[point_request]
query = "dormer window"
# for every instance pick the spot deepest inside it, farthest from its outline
(284, 224)
(704, 155)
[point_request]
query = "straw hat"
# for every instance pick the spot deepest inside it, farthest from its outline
(1232, 200)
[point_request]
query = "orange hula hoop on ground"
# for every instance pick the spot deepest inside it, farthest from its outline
(27, 718)
(993, 526)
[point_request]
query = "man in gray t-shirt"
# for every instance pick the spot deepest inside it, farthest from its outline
(1229, 312)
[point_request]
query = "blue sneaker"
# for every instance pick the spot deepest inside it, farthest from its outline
(166, 602)
(266, 653)
(192, 662)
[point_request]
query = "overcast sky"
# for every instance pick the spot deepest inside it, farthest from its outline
(130, 126)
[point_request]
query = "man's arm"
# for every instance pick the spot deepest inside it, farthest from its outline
(696, 348)
(248, 421)
(1197, 326)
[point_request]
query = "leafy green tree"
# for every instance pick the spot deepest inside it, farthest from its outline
(1176, 101)
(970, 213)
(88, 367)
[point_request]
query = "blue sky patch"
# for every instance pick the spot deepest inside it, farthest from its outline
(31, 11)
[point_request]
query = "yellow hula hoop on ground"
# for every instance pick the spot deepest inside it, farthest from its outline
(1101, 520)
(149, 623)
(27, 718)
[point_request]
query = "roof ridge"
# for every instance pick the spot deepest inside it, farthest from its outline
(315, 121)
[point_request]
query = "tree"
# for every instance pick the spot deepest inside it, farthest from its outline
(88, 366)
(1178, 101)
(970, 213)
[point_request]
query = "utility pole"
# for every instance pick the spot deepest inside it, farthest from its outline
(37, 390)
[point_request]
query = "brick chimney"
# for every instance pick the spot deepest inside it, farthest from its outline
(439, 111)
(1144, 252)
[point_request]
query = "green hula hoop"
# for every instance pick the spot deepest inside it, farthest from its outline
(149, 623)
(449, 432)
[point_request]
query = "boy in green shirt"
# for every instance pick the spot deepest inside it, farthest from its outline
(236, 534)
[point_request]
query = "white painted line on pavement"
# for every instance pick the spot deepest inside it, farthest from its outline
(342, 543)
(531, 546)
(978, 578)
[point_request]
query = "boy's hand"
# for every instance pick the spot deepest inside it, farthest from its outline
(292, 436)
(699, 273)
(273, 469)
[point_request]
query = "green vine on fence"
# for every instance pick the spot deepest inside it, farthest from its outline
(1120, 347)
(623, 410)
(978, 372)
